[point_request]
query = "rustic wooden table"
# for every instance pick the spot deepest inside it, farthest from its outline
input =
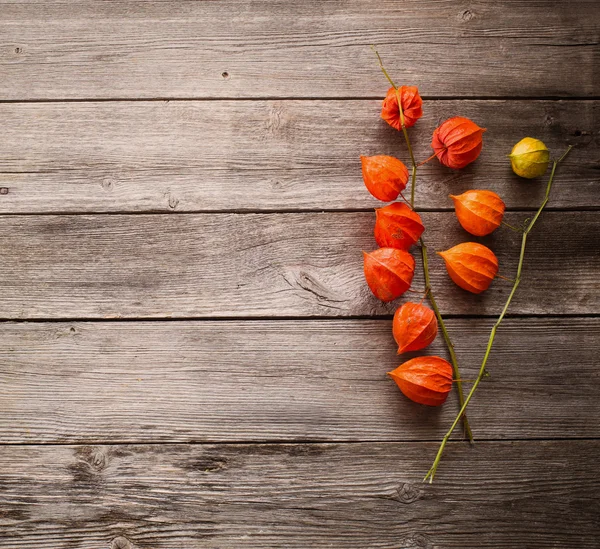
(190, 357)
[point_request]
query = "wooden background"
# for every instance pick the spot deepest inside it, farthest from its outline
(189, 355)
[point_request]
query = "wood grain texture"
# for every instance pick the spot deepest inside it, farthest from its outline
(284, 380)
(56, 50)
(350, 496)
(249, 265)
(270, 155)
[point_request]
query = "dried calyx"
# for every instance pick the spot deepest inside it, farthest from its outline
(425, 379)
(385, 176)
(471, 266)
(414, 327)
(397, 226)
(457, 142)
(479, 212)
(411, 107)
(388, 272)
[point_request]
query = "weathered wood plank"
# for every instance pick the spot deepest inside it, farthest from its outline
(277, 48)
(284, 380)
(269, 155)
(526, 494)
(233, 265)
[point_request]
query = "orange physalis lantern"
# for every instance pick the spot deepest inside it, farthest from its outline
(411, 107)
(389, 272)
(479, 212)
(385, 176)
(397, 226)
(425, 379)
(471, 266)
(457, 142)
(415, 327)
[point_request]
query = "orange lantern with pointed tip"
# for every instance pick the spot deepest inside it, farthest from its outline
(479, 212)
(471, 266)
(385, 176)
(389, 272)
(415, 327)
(425, 379)
(397, 226)
(457, 142)
(411, 107)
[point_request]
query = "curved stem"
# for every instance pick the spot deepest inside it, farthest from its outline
(431, 473)
(511, 227)
(446, 335)
(428, 159)
(389, 78)
(413, 178)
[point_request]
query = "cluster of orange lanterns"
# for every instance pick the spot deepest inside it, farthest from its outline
(389, 270)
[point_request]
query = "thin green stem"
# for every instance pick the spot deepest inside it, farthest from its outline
(428, 289)
(431, 473)
(446, 335)
(389, 78)
(428, 159)
(511, 227)
(413, 178)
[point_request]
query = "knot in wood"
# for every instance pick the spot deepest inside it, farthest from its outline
(275, 118)
(207, 464)
(407, 493)
(121, 543)
(467, 15)
(108, 183)
(419, 541)
(172, 200)
(4, 190)
(98, 460)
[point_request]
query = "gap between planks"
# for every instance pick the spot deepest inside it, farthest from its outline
(293, 442)
(241, 211)
(301, 98)
(310, 318)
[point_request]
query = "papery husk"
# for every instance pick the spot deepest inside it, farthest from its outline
(425, 379)
(397, 226)
(388, 272)
(411, 107)
(414, 327)
(529, 158)
(457, 142)
(385, 176)
(479, 212)
(471, 266)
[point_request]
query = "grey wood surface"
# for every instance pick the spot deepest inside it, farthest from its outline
(189, 355)
(316, 48)
(284, 380)
(536, 494)
(270, 155)
(282, 265)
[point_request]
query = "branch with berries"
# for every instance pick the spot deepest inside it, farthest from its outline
(389, 270)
